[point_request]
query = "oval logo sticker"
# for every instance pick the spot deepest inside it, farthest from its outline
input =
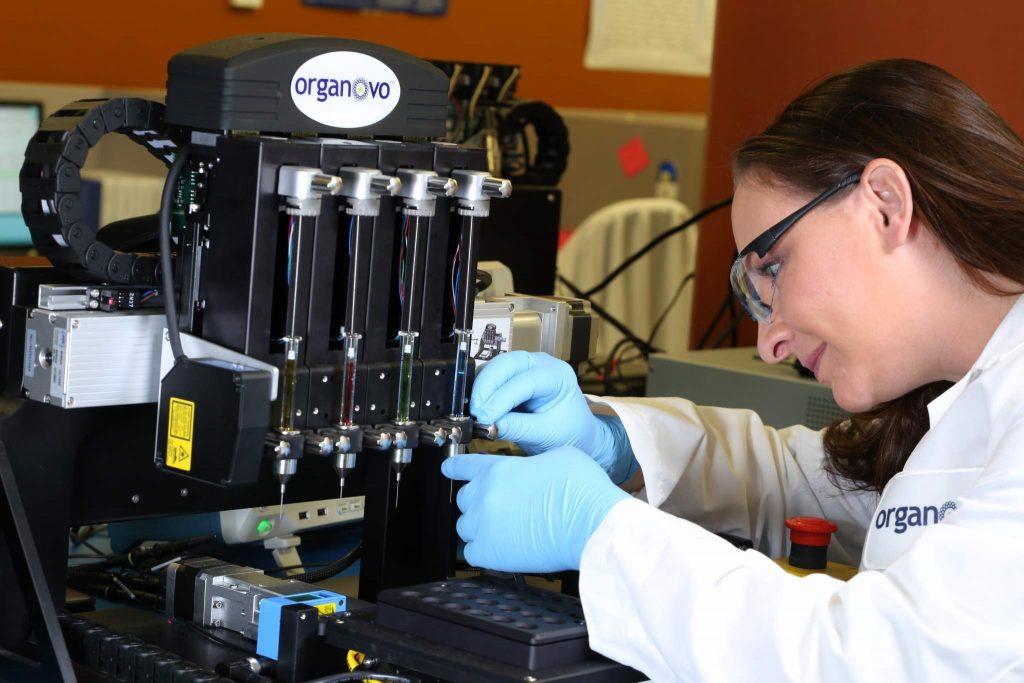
(345, 89)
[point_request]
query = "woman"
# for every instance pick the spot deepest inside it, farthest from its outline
(892, 268)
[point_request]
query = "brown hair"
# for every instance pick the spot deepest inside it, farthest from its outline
(965, 167)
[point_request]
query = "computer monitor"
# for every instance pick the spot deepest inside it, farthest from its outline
(19, 121)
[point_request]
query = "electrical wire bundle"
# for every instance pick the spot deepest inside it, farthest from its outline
(131, 577)
(643, 347)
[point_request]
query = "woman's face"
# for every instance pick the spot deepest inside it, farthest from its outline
(832, 295)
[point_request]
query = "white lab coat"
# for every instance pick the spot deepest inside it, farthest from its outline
(940, 594)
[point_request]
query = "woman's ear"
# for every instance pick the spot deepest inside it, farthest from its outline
(887, 192)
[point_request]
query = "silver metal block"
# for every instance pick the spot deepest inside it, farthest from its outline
(84, 359)
(65, 298)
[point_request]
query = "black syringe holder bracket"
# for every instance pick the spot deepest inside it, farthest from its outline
(378, 438)
(463, 425)
(285, 445)
(346, 439)
(410, 429)
(319, 444)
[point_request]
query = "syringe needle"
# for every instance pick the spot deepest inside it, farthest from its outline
(398, 486)
(341, 488)
(280, 507)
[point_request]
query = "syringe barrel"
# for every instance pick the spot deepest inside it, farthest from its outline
(407, 346)
(286, 423)
(463, 341)
(348, 379)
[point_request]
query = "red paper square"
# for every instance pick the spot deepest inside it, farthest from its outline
(633, 156)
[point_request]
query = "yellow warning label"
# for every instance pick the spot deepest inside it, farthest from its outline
(326, 608)
(180, 421)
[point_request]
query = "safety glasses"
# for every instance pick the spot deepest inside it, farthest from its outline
(753, 279)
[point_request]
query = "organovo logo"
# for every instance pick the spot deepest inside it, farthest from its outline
(906, 516)
(345, 89)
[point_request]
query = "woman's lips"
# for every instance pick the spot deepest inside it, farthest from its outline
(813, 361)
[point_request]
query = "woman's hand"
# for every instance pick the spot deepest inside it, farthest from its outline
(530, 514)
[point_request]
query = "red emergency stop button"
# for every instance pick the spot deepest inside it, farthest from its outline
(813, 531)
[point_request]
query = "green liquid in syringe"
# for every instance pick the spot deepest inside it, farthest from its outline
(405, 377)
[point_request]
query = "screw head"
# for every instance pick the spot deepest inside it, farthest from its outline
(356, 408)
(437, 373)
(52, 318)
(136, 498)
(316, 411)
(218, 604)
(71, 401)
(74, 324)
(302, 617)
(427, 403)
(383, 375)
(373, 406)
(298, 413)
(183, 493)
(324, 379)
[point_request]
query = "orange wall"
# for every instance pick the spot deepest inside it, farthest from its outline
(767, 51)
(120, 43)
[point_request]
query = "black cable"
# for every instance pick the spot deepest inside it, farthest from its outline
(614, 322)
(730, 330)
(304, 565)
(360, 676)
(80, 540)
(619, 347)
(714, 321)
(339, 565)
(138, 555)
(736, 320)
(700, 215)
(166, 269)
(671, 303)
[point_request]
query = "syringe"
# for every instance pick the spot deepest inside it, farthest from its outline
(301, 189)
(401, 455)
(345, 457)
(419, 192)
(285, 464)
(362, 190)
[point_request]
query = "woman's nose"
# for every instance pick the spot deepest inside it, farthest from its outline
(774, 341)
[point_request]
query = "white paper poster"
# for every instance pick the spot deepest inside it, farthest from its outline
(661, 36)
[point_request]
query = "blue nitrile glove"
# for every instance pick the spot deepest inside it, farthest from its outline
(530, 514)
(556, 412)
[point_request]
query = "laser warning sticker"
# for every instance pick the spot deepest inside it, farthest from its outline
(180, 421)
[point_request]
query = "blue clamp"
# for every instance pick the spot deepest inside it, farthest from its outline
(269, 629)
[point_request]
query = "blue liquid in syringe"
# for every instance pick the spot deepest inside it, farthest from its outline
(459, 385)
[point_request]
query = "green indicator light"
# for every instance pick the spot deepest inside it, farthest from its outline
(264, 526)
